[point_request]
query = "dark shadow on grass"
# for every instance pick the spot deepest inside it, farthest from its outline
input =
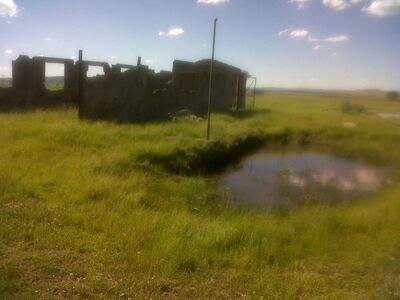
(245, 114)
(184, 114)
(210, 158)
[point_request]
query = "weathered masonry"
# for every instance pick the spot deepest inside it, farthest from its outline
(137, 94)
(140, 94)
(28, 83)
(29, 78)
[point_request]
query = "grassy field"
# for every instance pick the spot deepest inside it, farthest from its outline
(92, 210)
(48, 86)
(5, 85)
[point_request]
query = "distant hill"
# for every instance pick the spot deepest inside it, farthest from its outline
(49, 80)
(5, 81)
(59, 80)
(54, 80)
(366, 92)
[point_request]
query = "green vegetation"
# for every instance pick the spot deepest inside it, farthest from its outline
(393, 96)
(5, 85)
(54, 86)
(49, 86)
(97, 210)
(348, 107)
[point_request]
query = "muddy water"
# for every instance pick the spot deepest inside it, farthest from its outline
(286, 179)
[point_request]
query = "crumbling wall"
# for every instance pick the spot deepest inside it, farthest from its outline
(132, 96)
(28, 84)
(138, 94)
(116, 97)
(226, 95)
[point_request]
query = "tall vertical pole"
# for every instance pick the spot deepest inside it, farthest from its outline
(139, 68)
(211, 79)
(139, 63)
(254, 92)
(80, 83)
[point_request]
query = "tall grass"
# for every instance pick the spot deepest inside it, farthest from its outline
(82, 218)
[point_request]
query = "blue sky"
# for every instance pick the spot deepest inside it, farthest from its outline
(346, 44)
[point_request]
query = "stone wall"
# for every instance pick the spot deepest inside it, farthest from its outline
(28, 83)
(228, 92)
(139, 94)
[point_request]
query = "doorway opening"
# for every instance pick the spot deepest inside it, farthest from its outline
(54, 77)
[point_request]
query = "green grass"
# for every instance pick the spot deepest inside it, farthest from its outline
(83, 215)
(54, 86)
(49, 86)
(5, 85)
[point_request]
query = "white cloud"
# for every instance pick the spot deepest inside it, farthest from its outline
(341, 4)
(113, 57)
(298, 33)
(336, 4)
(175, 31)
(9, 51)
(172, 32)
(383, 8)
(282, 32)
(294, 33)
(300, 3)
(149, 61)
(373, 7)
(48, 39)
(318, 43)
(337, 39)
(212, 1)
(8, 8)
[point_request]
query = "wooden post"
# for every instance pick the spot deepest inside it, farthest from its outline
(80, 83)
(210, 84)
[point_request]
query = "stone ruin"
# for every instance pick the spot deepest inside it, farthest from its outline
(28, 83)
(135, 95)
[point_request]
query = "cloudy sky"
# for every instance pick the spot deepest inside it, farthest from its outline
(285, 43)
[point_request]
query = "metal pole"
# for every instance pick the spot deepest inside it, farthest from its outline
(80, 83)
(254, 92)
(210, 84)
(139, 68)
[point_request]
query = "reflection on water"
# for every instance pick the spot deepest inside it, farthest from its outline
(286, 179)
